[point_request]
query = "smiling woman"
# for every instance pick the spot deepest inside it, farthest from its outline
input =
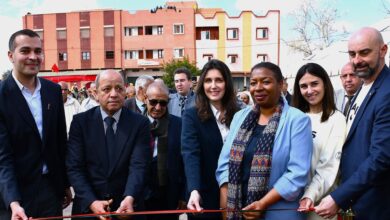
(313, 94)
(205, 128)
(265, 160)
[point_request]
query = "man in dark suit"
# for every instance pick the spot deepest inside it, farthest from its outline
(166, 183)
(32, 136)
(108, 152)
(137, 103)
(286, 94)
(365, 161)
(185, 97)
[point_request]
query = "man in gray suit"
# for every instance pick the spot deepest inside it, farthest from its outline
(351, 84)
(184, 97)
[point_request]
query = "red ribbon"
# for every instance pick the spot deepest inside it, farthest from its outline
(161, 212)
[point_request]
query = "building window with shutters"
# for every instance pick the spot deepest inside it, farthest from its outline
(109, 55)
(62, 56)
(262, 33)
(61, 34)
(233, 58)
(232, 34)
(178, 29)
(108, 31)
(85, 33)
(178, 53)
(85, 55)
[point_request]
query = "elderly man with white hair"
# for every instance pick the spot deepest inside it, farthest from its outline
(137, 103)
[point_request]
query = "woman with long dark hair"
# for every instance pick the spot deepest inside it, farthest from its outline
(313, 94)
(265, 162)
(205, 128)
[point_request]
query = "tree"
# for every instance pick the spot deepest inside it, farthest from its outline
(315, 26)
(386, 6)
(171, 66)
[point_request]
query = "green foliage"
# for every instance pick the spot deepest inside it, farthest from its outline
(171, 66)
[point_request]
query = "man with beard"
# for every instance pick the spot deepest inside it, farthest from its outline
(365, 161)
(351, 83)
(166, 185)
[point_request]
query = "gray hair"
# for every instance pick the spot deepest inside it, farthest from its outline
(142, 81)
(161, 87)
(105, 72)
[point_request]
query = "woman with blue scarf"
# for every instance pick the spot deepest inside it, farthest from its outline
(265, 161)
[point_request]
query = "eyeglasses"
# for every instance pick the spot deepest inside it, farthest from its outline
(154, 102)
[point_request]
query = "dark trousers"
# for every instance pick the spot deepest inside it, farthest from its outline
(44, 203)
(158, 202)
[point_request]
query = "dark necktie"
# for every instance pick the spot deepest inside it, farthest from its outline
(347, 104)
(182, 102)
(153, 137)
(110, 137)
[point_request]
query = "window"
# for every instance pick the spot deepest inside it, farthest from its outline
(160, 30)
(131, 54)
(262, 57)
(85, 33)
(61, 34)
(160, 53)
(232, 33)
(132, 31)
(109, 55)
(108, 31)
(208, 57)
(205, 35)
(40, 33)
(149, 54)
(148, 30)
(178, 29)
(262, 33)
(85, 55)
(178, 52)
(233, 58)
(62, 56)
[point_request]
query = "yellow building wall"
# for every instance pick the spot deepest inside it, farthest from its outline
(246, 41)
(221, 52)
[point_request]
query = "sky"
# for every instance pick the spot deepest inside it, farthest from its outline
(353, 13)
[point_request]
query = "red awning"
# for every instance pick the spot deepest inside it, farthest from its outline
(72, 78)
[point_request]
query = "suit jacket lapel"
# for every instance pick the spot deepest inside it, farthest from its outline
(20, 104)
(99, 137)
(367, 100)
(122, 133)
(212, 126)
(46, 111)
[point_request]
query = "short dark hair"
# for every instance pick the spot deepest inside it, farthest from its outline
(229, 100)
(183, 70)
(27, 32)
(328, 104)
(271, 66)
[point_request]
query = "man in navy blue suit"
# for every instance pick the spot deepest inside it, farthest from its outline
(108, 152)
(365, 161)
(166, 183)
(33, 179)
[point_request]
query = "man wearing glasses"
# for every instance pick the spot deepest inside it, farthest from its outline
(166, 184)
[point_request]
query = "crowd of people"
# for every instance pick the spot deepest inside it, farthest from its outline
(260, 154)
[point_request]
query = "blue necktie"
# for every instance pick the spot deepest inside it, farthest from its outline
(110, 137)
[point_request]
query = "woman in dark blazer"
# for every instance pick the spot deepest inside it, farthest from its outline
(205, 127)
